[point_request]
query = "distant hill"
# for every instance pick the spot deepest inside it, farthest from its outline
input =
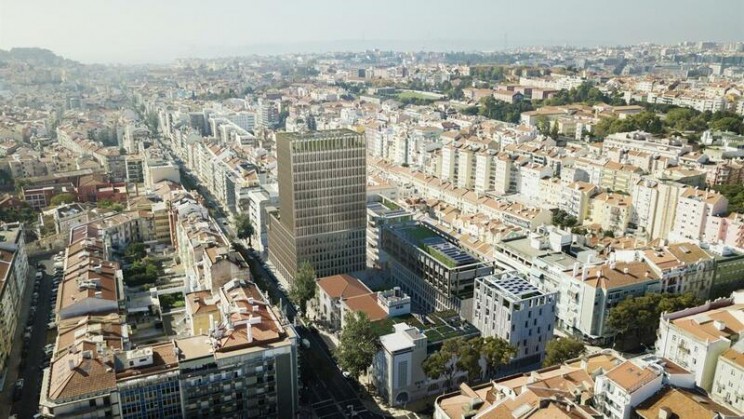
(36, 56)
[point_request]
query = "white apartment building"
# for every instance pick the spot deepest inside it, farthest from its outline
(483, 171)
(728, 382)
(551, 191)
(507, 306)
(655, 206)
(528, 181)
(694, 338)
(585, 294)
(643, 141)
(694, 208)
(624, 387)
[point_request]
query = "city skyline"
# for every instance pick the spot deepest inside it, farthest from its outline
(132, 32)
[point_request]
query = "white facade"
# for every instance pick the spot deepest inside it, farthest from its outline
(625, 387)
(694, 338)
(728, 382)
(509, 307)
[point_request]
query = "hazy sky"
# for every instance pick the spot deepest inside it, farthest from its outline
(133, 31)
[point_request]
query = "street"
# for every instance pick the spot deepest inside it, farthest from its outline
(327, 393)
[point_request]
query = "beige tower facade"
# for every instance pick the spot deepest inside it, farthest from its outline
(322, 203)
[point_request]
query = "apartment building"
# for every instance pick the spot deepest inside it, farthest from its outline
(587, 292)
(576, 198)
(431, 268)
(694, 209)
(14, 278)
(624, 387)
(247, 365)
(618, 177)
(728, 381)
(683, 268)
(641, 141)
(696, 337)
(322, 203)
(507, 306)
(157, 167)
(528, 181)
(655, 206)
(562, 391)
(611, 211)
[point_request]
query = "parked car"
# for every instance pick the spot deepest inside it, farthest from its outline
(18, 389)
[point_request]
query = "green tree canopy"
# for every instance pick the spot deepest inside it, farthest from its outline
(62, 198)
(560, 350)
(459, 355)
(503, 111)
(735, 195)
(303, 286)
(135, 251)
(563, 219)
(244, 228)
(635, 319)
(358, 344)
(728, 123)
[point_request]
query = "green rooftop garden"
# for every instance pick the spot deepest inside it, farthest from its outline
(440, 326)
(441, 257)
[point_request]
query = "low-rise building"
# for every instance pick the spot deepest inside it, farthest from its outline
(728, 381)
(398, 375)
(624, 387)
(673, 402)
(694, 338)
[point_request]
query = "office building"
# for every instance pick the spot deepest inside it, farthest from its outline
(431, 267)
(322, 203)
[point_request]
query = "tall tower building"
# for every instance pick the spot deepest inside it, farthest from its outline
(322, 203)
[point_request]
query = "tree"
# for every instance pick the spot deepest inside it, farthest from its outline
(62, 198)
(554, 133)
(443, 363)
(635, 319)
(729, 123)
(464, 356)
(563, 219)
(358, 344)
(135, 251)
(303, 286)
(244, 228)
(735, 195)
(560, 350)
(497, 352)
